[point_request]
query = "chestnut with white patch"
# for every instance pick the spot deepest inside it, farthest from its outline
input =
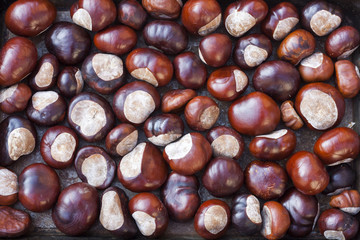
(276, 220)
(317, 67)
(14, 98)
(348, 201)
(121, 139)
(70, 81)
(44, 75)
(8, 187)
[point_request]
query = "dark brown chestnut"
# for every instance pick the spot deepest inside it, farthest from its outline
(279, 79)
(167, 36)
(45, 73)
(317, 67)
(189, 70)
(13, 222)
(180, 196)
(342, 42)
(143, 169)
(280, 21)
(275, 146)
(117, 40)
(342, 177)
(121, 139)
(9, 187)
(188, 155)
(320, 105)
(227, 83)
(307, 173)
(211, 54)
(58, 146)
(131, 13)
(17, 60)
(347, 78)
(163, 9)
(241, 16)
(276, 220)
(77, 209)
(266, 180)
(201, 17)
(212, 219)
(175, 100)
(135, 101)
(93, 15)
(70, 81)
(114, 213)
(347, 201)
(95, 167)
(303, 210)
(30, 17)
(18, 138)
(150, 214)
(222, 177)
(15, 98)
(39, 187)
(68, 42)
(254, 114)
(150, 66)
(290, 116)
(90, 116)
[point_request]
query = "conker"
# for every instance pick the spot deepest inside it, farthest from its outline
(276, 220)
(318, 67)
(347, 78)
(121, 139)
(342, 42)
(211, 54)
(9, 187)
(15, 98)
(70, 81)
(131, 13)
(163, 9)
(175, 100)
(342, 177)
(45, 73)
(13, 222)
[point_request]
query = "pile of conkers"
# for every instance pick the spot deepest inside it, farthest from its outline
(49, 91)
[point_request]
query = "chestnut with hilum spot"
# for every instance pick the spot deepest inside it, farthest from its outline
(70, 81)
(121, 139)
(290, 116)
(342, 42)
(15, 98)
(347, 78)
(44, 75)
(131, 13)
(211, 54)
(9, 187)
(175, 100)
(13, 222)
(318, 67)
(276, 220)
(342, 177)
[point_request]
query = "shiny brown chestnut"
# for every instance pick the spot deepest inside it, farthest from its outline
(15, 98)
(70, 81)
(245, 214)
(39, 187)
(103, 72)
(90, 116)
(93, 15)
(342, 42)
(46, 108)
(189, 70)
(180, 196)
(137, 169)
(135, 95)
(77, 209)
(9, 187)
(296, 46)
(347, 201)
(241, 16)
(338, 145)
(275, 146)
(131, 13)
(347, 78)
(163, 129)
(307, 173)
(266, 180)
(175, 100)
(281, 19)
(188, 155)
(276, 220)
(121, 139)
(17, 60)
(68, 42)
(335, 224)
(201, 113)
(320, 105)
(167, 36)
(150, 66)
(227, 83)
(95, 167)
(226, 142)
(279, 79)
(163, 9)
(342, 177)
(252, 50)
(321, 17)
(58, 146)
(318, 67)
(212, 219)
(18, 138)
(290, 116)
(254, 114)
(29, 18)
(114, 213)
(13, 222)
(44, 75)
(211, 54)
(201, 17)
(303, 210)
(117, 40)
(150, 214)
(222, 177)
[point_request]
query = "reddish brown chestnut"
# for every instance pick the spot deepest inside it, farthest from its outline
(290, 116)
(180, 196)
(15, 98)
(163, 9)
(121, 139)
(342, 177)
(347, 78)
(137, 169)
(254, 114)
(70, 81)
(307, 173)
(150, 214)
(212, 219)
(131, 13)
(348, 201)
(175, 100)
(188, 155)
(9, 187)
(211, 54)
(316, 68)
(13, 222)
(45, 73)
(276, 220)
(342, 42)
